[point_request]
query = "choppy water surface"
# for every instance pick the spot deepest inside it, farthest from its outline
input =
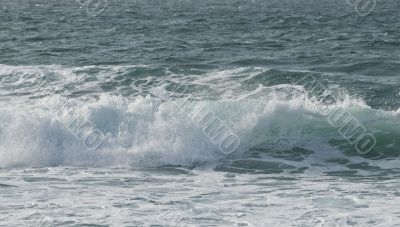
(103, 114)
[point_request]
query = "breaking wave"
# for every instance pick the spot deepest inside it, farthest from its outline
(278, 122)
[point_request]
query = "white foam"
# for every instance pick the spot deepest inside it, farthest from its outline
(155, 131)
(147, 131)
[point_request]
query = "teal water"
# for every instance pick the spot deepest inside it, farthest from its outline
(199, 113)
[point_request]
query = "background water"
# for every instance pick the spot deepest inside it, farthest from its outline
(119, 71)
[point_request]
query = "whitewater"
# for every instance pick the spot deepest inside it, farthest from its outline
(151, 142)
(207, 113)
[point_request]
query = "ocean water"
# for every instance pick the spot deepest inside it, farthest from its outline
(199, 113)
